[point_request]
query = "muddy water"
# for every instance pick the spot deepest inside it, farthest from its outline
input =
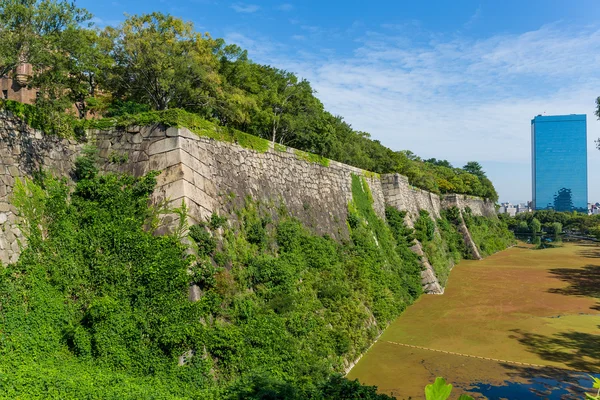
(520, 324)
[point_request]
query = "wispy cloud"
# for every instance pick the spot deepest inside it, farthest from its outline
(259, 47)
(474, 18)
(245, 8)
(461, 91)
(285, 7)
(101, 23)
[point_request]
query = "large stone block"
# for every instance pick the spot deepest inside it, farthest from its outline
(163, 145)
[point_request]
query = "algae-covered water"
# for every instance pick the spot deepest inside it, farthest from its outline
(521, 324)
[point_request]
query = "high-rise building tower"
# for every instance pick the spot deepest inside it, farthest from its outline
(559, 162)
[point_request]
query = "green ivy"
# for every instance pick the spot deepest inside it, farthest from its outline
(444, 247)
(97, 305)
(279, 147)
(491, 235)
(312, 158)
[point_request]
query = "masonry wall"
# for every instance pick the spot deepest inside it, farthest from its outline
(479, 207)
(400, 194)
(23, 151)
(212, 176)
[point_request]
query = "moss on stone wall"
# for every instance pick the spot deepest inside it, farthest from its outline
(182, 119)
(280, 148)
(310, 157)
(372, 175)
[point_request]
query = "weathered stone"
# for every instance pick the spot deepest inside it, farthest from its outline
(137, 138)
(14, 171)
(194, 293)
(163, 145)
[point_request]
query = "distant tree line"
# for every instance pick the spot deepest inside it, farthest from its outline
(554, 222)
(157, 62)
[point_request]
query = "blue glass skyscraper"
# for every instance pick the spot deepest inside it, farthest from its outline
(559, 162)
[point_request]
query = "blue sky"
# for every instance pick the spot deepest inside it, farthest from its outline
(452, 80)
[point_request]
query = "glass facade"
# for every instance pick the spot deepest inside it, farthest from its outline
(559, 162)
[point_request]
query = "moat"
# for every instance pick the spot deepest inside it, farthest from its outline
(521, 324)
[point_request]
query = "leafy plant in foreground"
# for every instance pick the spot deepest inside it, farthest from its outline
(439, 390)
(596, 385)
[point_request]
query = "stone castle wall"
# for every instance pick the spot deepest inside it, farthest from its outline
(400, 194)
(23, 152)
(212, 176)
(478, 206)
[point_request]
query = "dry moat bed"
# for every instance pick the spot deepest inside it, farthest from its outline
(521, 306)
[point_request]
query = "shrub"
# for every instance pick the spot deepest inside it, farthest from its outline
(205, 243)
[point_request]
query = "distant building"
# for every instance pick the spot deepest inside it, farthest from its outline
(559, 162)
(523, 208)
(14, 87)
(512, 210)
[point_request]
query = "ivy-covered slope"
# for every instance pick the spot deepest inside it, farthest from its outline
(491, 235)
(97, 307)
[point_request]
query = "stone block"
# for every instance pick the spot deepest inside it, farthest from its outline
(155, 131)
(137, 138)
(163, 146)
(169, 175)
(14, 171)
(172, 131)
(186, 133)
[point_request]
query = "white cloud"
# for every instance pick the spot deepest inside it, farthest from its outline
(245, 8)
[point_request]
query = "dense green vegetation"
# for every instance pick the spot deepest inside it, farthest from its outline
(491, 235)
(443, 246)
(97, 306)
(156, 62)
(555, 222)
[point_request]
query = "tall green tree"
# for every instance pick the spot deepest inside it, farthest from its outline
(32, 29)
(73, 75)
(473, 167)
(161, 61)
